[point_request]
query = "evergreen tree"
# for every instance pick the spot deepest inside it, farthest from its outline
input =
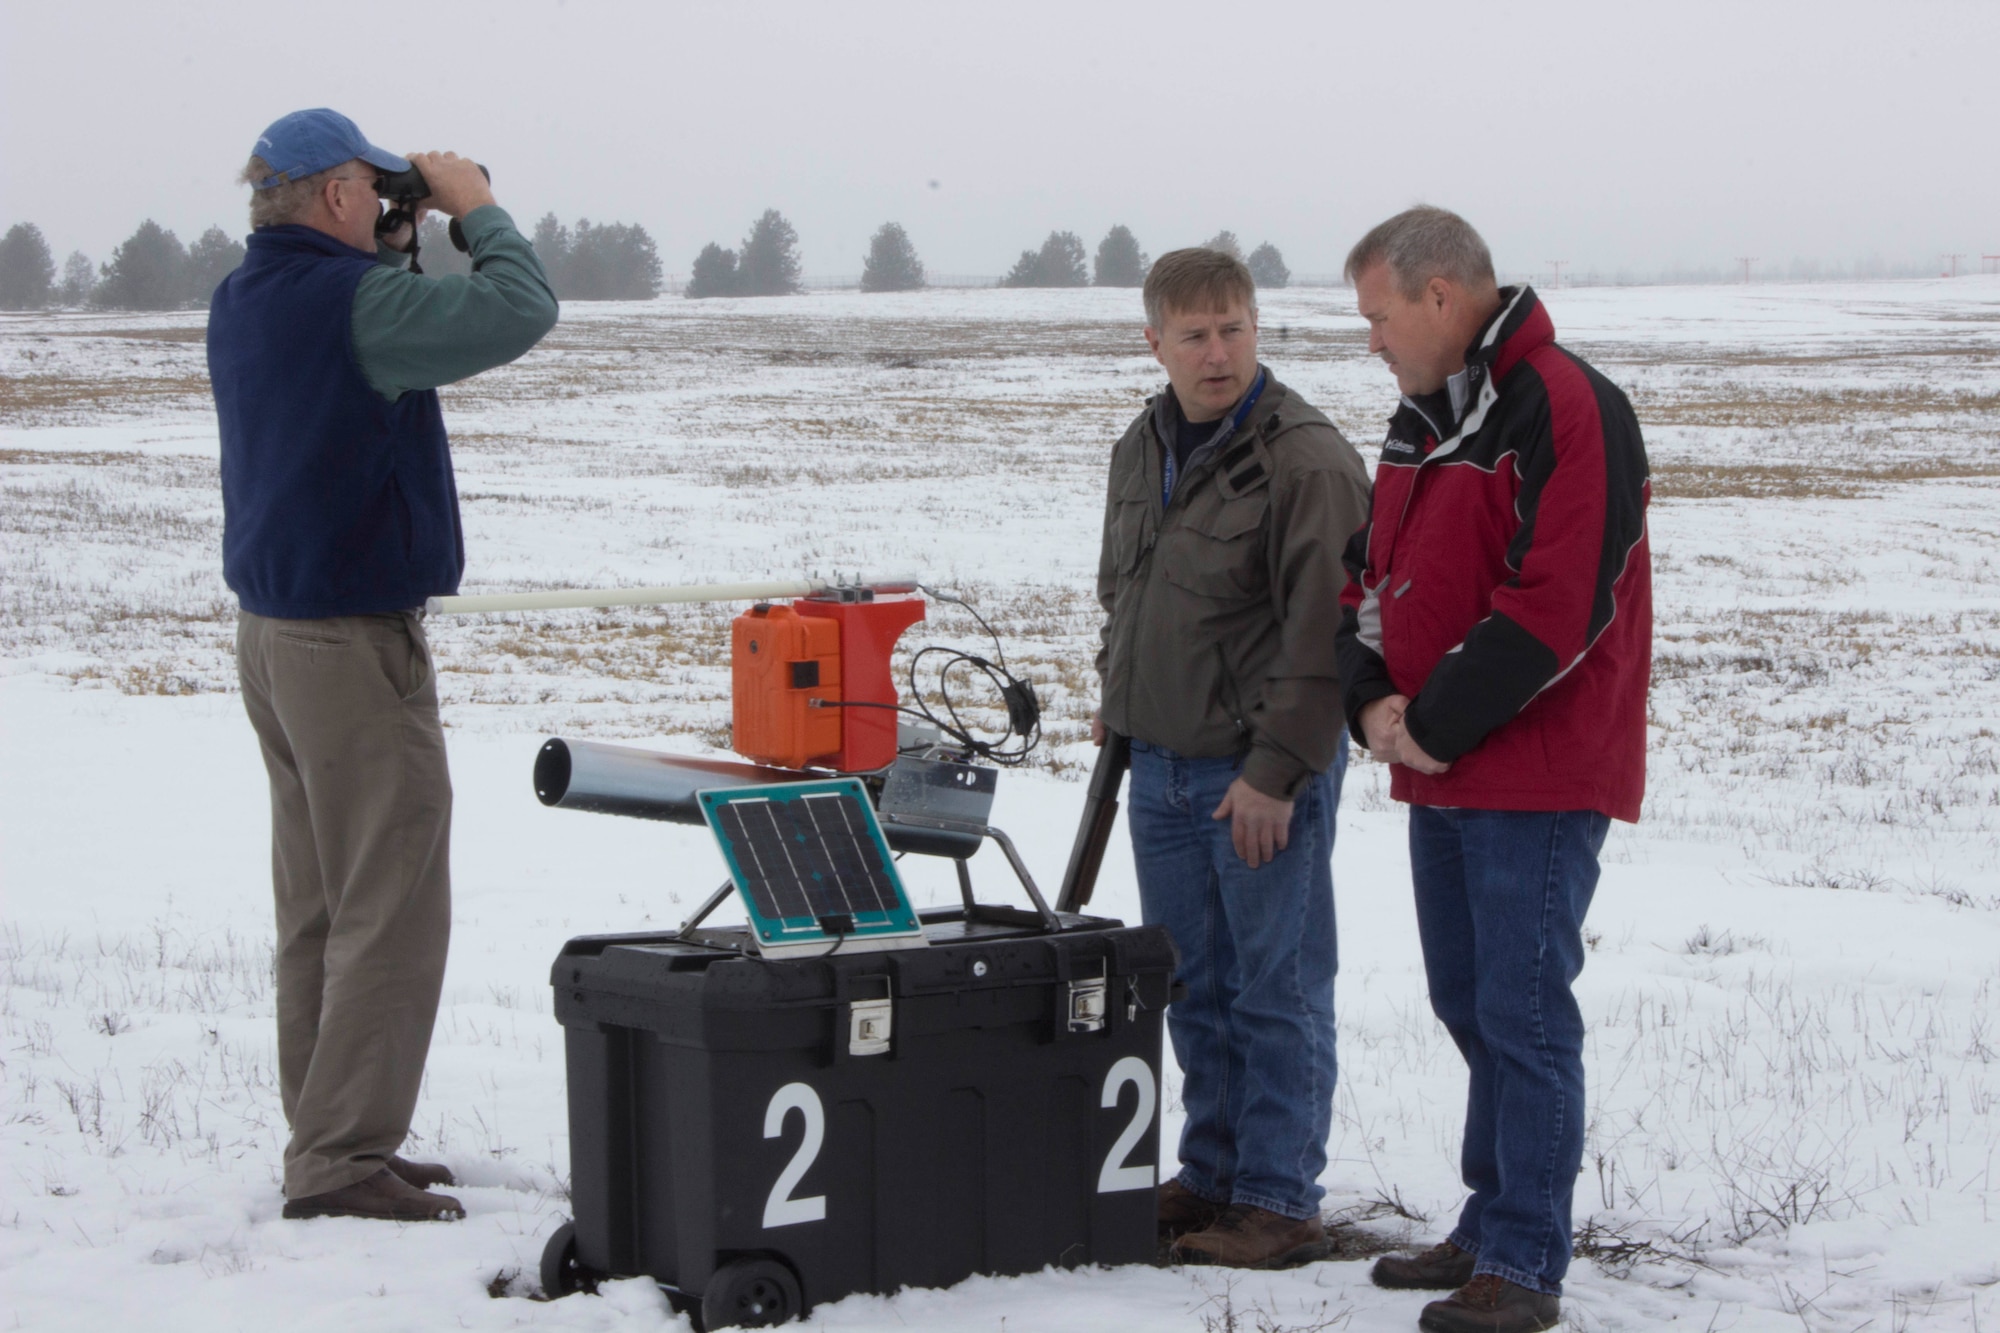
(1120, 261)
(1267, 267)
(892, 264)
(1023, 272)
(715, 273)
(1059, 263)
(79, 280)
(587, 267)
(27, 269)
(552, 244)
(769, 265)
(148, 272)
(1224, 241)
(213, 257)
(638, 266)
(439, 257)
(612, 262)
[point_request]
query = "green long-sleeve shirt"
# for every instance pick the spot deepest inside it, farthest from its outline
(416, 332)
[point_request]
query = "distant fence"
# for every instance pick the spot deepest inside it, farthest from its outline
(852, 282)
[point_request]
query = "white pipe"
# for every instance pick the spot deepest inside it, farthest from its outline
(564, 599)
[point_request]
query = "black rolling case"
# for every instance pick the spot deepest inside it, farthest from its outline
(761, 1135)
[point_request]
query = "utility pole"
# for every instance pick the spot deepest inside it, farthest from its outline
(1989, 263)
(1953, 261)
(1746, 261)
(1556, 267)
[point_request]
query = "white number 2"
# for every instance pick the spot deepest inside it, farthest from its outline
(781, 1209)
(1115, 1175)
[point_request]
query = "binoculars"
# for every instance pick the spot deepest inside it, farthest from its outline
(402, 191)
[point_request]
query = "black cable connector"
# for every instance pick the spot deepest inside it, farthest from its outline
(1024, 710)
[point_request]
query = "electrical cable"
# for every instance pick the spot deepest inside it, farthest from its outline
(1024, 709)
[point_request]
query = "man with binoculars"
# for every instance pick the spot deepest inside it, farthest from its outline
(340, 516)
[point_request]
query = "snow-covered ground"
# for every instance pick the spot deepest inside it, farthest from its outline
(1795, 979)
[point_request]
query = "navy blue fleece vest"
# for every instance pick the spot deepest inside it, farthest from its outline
(335, 501)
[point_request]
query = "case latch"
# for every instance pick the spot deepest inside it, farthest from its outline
(1087, 1004)
(870, 1024)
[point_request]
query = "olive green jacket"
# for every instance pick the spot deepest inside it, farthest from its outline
(1220, 607)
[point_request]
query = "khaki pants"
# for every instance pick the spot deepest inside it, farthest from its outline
(347, 711)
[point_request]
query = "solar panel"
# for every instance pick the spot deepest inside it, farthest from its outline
(811, 865)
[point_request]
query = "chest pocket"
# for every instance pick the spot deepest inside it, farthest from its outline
(1217, 550)
(1131, 532)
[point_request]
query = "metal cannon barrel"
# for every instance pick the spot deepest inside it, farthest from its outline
(646, 784)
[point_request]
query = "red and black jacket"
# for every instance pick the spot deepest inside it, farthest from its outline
(1504, 582)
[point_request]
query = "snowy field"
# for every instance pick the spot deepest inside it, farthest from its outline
(1794, 984)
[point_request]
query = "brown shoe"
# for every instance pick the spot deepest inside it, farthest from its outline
(1249, 1237)
(1182, 1210)
(1443, 1267)
(1490, 1303)
(384, 1196)
(423, 1175)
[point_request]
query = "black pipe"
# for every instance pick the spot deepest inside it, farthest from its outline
(1100, 813)
(646, 784)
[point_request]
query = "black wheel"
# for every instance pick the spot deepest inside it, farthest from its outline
(751, 1293)
(562, 1275)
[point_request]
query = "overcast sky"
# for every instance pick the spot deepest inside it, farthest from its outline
(1610, 135)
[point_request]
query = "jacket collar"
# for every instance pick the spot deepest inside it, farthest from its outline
(1521, 325)
(1518, 327)
(296, 238)
(1258, 404)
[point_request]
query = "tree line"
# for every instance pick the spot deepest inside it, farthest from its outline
(586, 261)
(153, 270)
(1120, 262)
(767, 263)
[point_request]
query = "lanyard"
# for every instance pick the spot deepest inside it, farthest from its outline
(1169, 470)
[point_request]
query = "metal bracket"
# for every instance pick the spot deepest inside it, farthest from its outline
(715, 900)
(1088, 1002)
(870, 1025)
(1050, 921)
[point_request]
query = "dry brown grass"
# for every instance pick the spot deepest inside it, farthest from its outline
(1734, 404)
(1680, 480)
(60, 399)
(196, 333)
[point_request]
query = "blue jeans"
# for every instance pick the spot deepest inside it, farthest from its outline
(1501, 896)
(1254, 1036)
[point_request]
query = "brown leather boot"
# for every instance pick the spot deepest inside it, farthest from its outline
(423, 1175)
(1443, 1267)
(384, 1196)
(1250, 1237)
(1181, 1210)
(1490, 1303)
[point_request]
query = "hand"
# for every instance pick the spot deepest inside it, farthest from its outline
(1096, 730)
(1379, 720)
(1411, 755)
(1259, 825)
(457, 184)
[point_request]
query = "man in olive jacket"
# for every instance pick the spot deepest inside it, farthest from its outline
(1230, 502)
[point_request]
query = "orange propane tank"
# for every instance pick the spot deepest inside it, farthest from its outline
(826, 648)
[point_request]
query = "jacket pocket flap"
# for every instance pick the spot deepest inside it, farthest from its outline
(1233, 518)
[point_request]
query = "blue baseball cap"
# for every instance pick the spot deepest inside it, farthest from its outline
(308, 142)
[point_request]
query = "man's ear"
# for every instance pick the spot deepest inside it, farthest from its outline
(1438, 293)
(1153, 341)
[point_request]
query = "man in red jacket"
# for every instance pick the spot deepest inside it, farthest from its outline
(1495, 648)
